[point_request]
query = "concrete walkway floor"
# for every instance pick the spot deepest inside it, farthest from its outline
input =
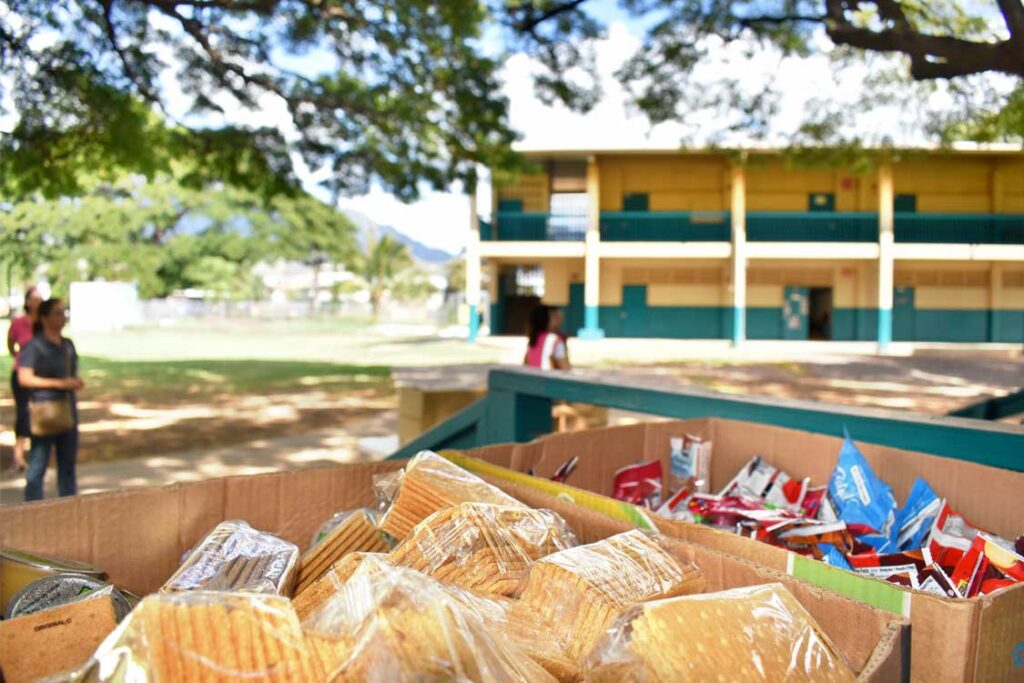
(360, 442)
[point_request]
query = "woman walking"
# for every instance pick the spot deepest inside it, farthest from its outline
(49, 370)
(19, 334)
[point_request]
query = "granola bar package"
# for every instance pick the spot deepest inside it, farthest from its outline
(236, 557)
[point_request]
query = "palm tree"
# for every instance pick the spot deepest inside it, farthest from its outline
(386, 266)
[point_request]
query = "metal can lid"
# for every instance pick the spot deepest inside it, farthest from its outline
(50, 564)
(60, 589)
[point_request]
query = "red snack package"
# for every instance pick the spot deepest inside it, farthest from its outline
(639, 484)
(951, 536)
(970, 570)
(677, 503)
(565, 469)
(911, 563)
(728, 511)
(805, 536)
(932, 579)
(992, 585)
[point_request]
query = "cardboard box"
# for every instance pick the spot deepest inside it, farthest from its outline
(117, 530)
(54, 640)
(952, 640)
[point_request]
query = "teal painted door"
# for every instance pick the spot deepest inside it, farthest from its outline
(574, 311)
(794, 313)
(634, 311)
(903, 327)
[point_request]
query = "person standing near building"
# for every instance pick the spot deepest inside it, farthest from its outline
(19, 334)
(546, 349)
(49, 369)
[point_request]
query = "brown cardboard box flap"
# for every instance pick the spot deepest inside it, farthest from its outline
(55, 640)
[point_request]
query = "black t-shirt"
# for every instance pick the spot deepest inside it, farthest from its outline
(50, 361)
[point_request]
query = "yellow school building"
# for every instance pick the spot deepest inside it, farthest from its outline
(918, 246)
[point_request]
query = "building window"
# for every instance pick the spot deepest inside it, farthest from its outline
(821, 201)
(638, 201)
(905, 203)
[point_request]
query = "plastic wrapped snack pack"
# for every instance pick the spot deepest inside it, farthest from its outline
(483, 547)
(755, 633)
(355, 532)
(391, 624)
(236, 557)
(430, 483)
(575, 594)
(206, 636)
(314, 595)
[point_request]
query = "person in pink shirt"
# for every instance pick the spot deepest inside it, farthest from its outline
(546, 349)
(19, 334)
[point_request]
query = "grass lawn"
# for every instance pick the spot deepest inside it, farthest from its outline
(168, 389)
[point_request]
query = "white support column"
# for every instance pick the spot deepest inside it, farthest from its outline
(592, 265)
(886, 222)
(738, 209)
(473, 268)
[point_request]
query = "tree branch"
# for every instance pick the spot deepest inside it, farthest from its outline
(129, 71)
(1013, 14)
(930, 56)
(528, 25)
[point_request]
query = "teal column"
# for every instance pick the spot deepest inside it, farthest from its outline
(591, 327)
(739, 325)
(884, 327)
(474, 323)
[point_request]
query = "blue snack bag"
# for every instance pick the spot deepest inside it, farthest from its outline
(831, 555)
(914, 521)
(861, 499)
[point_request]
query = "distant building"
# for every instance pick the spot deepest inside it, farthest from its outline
(704, 245)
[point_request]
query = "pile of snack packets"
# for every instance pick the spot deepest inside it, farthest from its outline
(455, 581)
(853, 522)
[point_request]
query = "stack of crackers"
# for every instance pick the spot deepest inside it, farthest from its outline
(483, 547)
(390, 623)
(744, 634)
(209, 636)
(431, 483)
(317, 593)
(357, 533)
(575, 594)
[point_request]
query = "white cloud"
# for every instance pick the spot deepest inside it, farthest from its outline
(438, 219)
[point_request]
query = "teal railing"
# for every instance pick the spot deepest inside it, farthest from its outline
(518, 404)
(518, 226)
(811, 226)
(665, 226)
(959, 228)
(486, 231)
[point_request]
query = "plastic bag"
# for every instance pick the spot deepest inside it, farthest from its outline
(914, 521)
(483, 547)
(393, 624)
(430, 483)
(576, 593)
(760, 480)
(336, 520)
(862, 500)
(310, 598)
(236, 557)
(755, 633)
(639, 484)
(689, 463)
(206, 635)
(356, 531)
